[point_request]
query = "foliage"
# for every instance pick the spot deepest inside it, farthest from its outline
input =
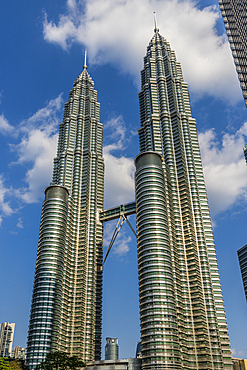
(60, 361)
(4, 363)
(8, 364)
(17, 365)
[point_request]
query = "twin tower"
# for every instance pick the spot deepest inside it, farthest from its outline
(183, 323)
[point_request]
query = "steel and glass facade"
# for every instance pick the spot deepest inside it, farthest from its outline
(183, 323)
(67, 293)
(242, 257)
(234, 15)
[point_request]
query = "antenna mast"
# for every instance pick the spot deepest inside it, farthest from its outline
(85, 60)
(155, 23)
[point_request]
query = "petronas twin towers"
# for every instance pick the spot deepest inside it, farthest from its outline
(183, 324)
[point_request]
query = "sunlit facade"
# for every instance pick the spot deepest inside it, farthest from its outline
(234, 15)
(67, 293)
(6, 338)
(183, 323)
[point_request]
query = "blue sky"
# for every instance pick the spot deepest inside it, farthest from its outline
(42, 52)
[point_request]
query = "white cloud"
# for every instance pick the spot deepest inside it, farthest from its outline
(224, 168)
(20, 223)
(119, 180)
(119, 170)
(117, 32)
(37, 148)
(5, 127)
(35, 151)
(118, 131)
(121, 245)
(5, 205)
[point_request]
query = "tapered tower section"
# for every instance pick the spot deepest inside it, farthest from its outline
(183, 324)
(67, 294)
(234, 15)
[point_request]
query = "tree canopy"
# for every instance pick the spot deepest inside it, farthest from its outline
(9, 364)
(60, 361)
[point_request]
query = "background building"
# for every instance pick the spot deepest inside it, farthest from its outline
(125, 364)
(111, 349)
(183, 322)
(234, 15)
(239, 364)
(139, 349)
(19, 352)
(67, 292)
(242, 257)
(6, 339)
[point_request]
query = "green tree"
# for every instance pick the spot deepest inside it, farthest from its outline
(4, 363)
(10, 364)
(17, 365)
(60, 361)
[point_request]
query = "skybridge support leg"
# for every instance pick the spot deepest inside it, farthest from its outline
(121, 220)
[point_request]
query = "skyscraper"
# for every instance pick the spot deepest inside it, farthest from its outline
(242, 257)
(234, 15)
(67, 293)
(183, 324)
(6, 339)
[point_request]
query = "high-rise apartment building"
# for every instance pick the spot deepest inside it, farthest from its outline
(242, 257)
(183, 323)
(67, 293)
(234, 15)
(6, 339)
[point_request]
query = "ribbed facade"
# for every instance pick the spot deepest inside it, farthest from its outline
(234, 13)
(183, 324)
(242, 257)
(111, 349)
(67, 293)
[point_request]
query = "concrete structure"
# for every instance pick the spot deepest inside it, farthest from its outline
(67, 293)
(6, 339)
(242, 257)
(111, 349)
(234, 15)
(239, 364)
(128, 364)
(19, 353)
(183, 323)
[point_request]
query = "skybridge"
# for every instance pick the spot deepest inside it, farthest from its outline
(121, 213)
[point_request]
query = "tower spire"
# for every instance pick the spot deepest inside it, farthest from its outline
(155, 23)
(85, 60)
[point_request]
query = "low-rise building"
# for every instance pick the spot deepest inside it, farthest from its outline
(123, 364)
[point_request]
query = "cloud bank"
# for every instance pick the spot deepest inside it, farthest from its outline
(117, 32)
(35, 150)
(224, 168)
(119, 170)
